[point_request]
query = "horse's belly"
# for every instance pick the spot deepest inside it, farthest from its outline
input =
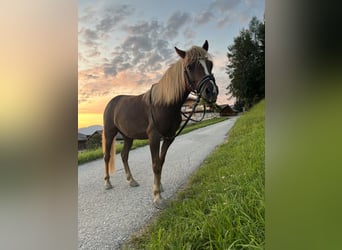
(133, 128)
(135, 134)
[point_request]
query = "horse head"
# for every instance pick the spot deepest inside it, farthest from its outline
(197, 70)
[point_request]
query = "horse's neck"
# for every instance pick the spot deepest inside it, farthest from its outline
(178, 105)
(175, 107)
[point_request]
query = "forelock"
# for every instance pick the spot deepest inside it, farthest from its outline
(194, 54)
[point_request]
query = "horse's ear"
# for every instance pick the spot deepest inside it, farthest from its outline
(181, 53)
(205, 45)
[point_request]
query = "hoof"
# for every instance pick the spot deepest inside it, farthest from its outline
(108, 185)
(133, 183)
(160, 204)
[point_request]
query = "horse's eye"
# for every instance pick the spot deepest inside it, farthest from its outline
(191, 67)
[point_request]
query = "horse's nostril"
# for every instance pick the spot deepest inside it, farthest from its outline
(208, 92)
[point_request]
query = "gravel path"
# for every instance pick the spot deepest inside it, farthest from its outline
(107, 218)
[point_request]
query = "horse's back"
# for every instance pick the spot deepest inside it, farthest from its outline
(126, 103)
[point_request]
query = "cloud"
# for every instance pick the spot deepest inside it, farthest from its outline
(139, 61)
(253, 4)
(224, 5)
(94, 53)
(147, 47)
(117, 64)
(189, 33)
(90, 36)
(141, 41)
(175, 22)
(91, 76)
(153, 61)
(137, 43)
(94, 31)
(139, 54)
(227, 11)
(88, 15)
(204, 17)
(223, 21)
(153, 28)
(82, 58)
(164, 49)
(113, 16)
(144, 49)
(92, 83)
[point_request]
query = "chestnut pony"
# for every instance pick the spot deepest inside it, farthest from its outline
(156, 114)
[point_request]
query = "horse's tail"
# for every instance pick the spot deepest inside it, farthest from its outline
(112, 156)
(112, 152)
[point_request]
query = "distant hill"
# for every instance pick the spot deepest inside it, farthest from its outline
(89, 130)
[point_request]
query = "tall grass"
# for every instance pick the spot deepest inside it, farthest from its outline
(94, 154)
(223, 205)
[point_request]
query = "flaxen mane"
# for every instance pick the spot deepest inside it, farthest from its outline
(172, 85)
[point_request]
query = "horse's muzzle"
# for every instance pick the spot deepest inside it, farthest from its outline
(207, 89)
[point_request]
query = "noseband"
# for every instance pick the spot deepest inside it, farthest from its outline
(204, 79)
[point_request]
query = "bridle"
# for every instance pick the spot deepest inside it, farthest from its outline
(208, 77)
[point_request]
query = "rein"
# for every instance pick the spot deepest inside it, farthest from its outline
(189, 117)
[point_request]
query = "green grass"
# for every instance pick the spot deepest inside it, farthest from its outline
(90, 155)
(223, 206)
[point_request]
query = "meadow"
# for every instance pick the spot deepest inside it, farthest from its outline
(223, 204)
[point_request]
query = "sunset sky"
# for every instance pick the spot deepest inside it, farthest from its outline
(126, 46)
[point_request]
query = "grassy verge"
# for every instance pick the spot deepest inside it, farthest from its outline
(222, 207)
(90, 155)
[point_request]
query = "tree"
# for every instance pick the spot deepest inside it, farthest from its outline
(246, 67)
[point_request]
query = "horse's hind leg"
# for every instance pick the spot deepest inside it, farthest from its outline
(124, 155)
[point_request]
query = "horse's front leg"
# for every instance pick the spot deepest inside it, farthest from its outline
(165, 146)
(157, 170)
